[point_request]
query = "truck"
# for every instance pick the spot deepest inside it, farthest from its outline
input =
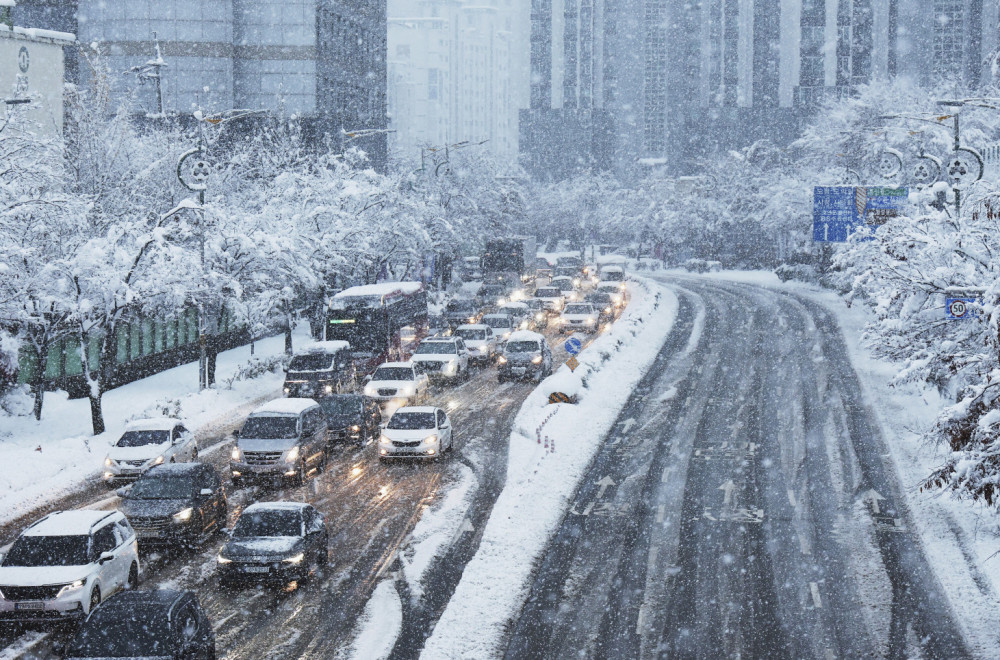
(510, 261)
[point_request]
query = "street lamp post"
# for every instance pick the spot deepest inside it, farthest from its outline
(956, 147)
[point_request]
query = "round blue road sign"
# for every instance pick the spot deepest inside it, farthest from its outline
(573, 346)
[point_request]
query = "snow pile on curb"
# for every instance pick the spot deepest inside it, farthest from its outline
(544, 470)
(379, 624)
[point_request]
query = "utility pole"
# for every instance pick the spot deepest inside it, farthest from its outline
(957, 145)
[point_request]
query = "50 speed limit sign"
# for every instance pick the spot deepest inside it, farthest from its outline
(960, 308)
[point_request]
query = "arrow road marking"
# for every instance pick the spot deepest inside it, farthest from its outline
(872, 497)
(728, 488)
(604, 483)
(817, 601)
(628, 424)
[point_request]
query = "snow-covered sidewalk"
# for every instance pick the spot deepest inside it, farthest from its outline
(544, 472)
(58, 456)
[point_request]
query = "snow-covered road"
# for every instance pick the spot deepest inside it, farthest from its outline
(742, 508)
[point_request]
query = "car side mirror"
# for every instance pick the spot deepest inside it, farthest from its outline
(121, 492)
(368, 378)
(236, 433)
(106, 557)
(205, 492)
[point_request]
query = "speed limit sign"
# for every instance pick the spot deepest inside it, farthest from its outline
(960, 308)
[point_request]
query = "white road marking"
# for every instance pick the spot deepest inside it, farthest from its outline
(817, 601)
(727, 489)
(664, 477)
(604, 483)
(653, 554)
(661, 512)
(791, 499)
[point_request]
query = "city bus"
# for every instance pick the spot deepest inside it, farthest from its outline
(382, 322)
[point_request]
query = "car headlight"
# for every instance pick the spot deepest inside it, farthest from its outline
(384, 439)
(607, 310)
(500, 301)
(501, 360)
(539, 316)
(70, 588)
(328, 389)
(591, 319)
(430, 440)
(223, 560)
(108, 462)
(183, 515)
(292, 454)
(623, 286)
(576, 283)
(159, 459)
(370, 390)
(288, 390)
(472, 319)
(236, 454)
(296, 559)
(355, 428)
(536, 360)
(407, 390)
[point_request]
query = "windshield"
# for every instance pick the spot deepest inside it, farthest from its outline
(48, 551)
(162, 488)
(311, 362)
(548, 292)
(394, 373)
(142, 438)
(117, 634)
(268, 523)
(612, 276)
(341, 406)
(270, 428)
(410, 421)
(436, 348)
(563, 285)
(522, 347)
(461, 306)
(599, 298)
(497, 322)
(578, 309)
(471, 334)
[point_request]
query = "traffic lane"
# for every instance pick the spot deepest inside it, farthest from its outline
(562, 616)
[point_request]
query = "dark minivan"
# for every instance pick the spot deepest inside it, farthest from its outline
(323, 369)
(176, 504)
(352, 417)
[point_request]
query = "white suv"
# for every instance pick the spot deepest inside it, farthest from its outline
(145, 443)
(64, 565)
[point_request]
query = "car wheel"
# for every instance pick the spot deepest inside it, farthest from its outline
(95, 599)
(237, 482)
(133, 578)
(194, 454)
(501, 379)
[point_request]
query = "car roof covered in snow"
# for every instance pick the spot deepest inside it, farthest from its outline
(404, 365)
(153, 424)
(174, 470)
(514, 305)
(290, 406)
(525, 335)
(276, 506)
(374, 294)
(416, 409)
(326, 347)
(68, 523)
(496, 316)
(612, 269)
(468, 326)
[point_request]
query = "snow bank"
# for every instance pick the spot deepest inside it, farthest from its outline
(379, 624)
(543, 473)
(58, 455)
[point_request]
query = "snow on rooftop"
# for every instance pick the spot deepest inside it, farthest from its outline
(290, 406)
(406, 365)
(381, 289)
(152, 424)
(331, 346)
(524, 335)
(63, 38)
(271, 506)
(67, 523)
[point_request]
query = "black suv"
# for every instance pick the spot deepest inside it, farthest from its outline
(279, 541)
(143, 624)
(352, 418)
(176, 504)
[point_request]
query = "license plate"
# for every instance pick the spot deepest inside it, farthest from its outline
(519, 370)
(30, 605)
(256, 569)
(149, 533)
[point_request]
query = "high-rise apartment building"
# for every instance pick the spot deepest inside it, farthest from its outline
(321, 60)
(663, 81)
(457, 73)
(949, 41)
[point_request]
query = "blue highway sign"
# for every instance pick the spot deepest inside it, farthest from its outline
(839, 211)
(573, 346)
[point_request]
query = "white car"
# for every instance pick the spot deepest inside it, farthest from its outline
(552, 297)
(64, 565)
(569, 287)
(614, 289)
(480, 341)
(579, 316)
(397, 381)
(519, 311)
(502, 325)
(145, 443)
(442, 358)
(423, 432)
